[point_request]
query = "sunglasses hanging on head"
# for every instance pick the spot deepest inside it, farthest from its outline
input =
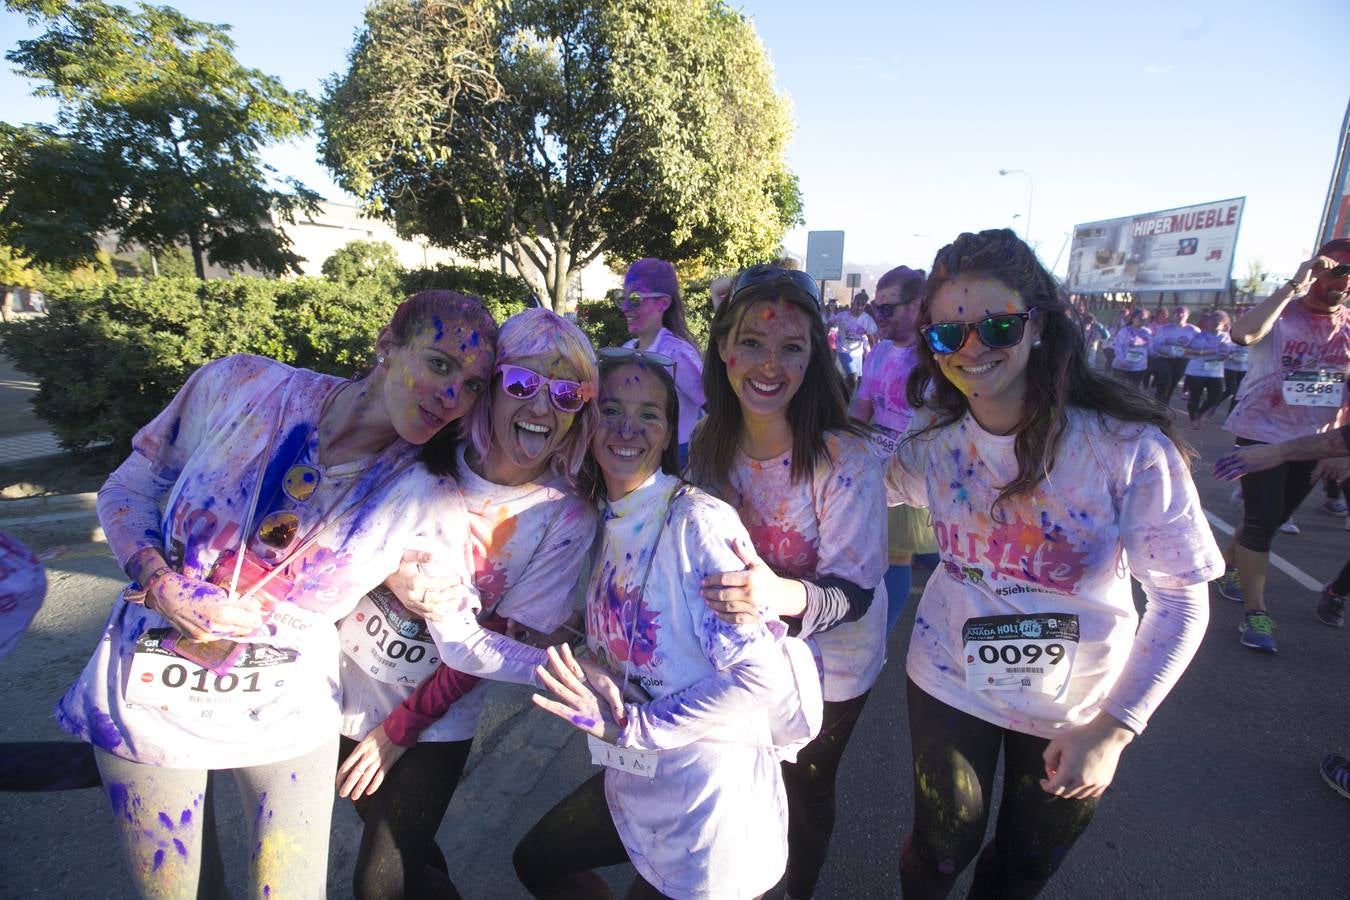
(761, 278)
(644, 356)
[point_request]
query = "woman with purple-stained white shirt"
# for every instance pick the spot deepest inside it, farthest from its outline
(404, 743)
(1049, 489)
(1205, 353)
(252, 514)
(691, 792)
(1131, 343)
(778, 445)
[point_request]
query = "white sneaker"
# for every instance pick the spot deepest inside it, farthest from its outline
(1289, 527)
(1336, 507)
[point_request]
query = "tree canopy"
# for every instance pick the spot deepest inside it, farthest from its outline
(157, 139)
(559, 130)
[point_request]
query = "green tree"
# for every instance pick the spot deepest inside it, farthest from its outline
(157, 139)
(556, 131)
(1255, 280)
(356, 261)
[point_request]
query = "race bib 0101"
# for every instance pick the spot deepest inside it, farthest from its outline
(635, 762)
(389, 643)
(1314, 389)
(255, 688)
(1020, 653)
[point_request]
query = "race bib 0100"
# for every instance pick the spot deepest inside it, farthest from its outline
(1314, 389)
(1020, 653)
(389, 643)
(255, 688)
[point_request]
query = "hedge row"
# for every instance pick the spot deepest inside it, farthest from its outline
(109, 357)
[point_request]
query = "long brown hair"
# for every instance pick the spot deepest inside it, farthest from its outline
(820, 404)
(590, 480)
(1058, 376)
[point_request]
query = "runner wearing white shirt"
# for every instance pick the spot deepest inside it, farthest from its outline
(1131, 345)
(855, 329)
(252, 514)
(1168, 347)
(691, 791)
(1300, 340)
(1049, 487)
(1204, 356)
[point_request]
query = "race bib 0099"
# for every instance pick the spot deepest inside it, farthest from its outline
(1020, 653)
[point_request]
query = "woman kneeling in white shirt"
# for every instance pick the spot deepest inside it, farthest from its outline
(692, 793)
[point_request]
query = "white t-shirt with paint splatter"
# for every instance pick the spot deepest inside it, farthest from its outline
(529, 544)
(23, 584)
(713, 820)
(186, 489)
(1119, 502)
(833, 523)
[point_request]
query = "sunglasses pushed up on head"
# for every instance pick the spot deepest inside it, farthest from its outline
(763, 279)
(622, 354)
(997, 332)
(566, 395)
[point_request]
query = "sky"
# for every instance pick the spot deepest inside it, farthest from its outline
(905, 112)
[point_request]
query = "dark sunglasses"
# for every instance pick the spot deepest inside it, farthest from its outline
(521, 383)
(635, 299)
(619, 354)
(997, 332)
(759, 278)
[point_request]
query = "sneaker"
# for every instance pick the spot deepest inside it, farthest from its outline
(1331, 608)
(1258, 631)
(1336, 772)
(1289, 527)
(1336, 507)
(1230, 586)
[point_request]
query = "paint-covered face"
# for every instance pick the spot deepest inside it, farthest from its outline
(1181, 315)
(766, 356)
(633, 428)
(435, 378)
(985, 376)
(645, 317)
(525, 433)
(1160, 317)
(894, 321)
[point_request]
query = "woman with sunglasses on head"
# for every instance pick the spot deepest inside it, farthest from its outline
(251, 515)
(1049, 487)
(881, 403)
(778, 445)
(691, 792)
(403, 752)
(654, 310)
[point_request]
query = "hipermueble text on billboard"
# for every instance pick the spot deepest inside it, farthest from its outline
(1189, 248)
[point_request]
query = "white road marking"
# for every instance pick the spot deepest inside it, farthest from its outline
(1276, 559)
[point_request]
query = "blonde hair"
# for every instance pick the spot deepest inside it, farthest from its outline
(534, 332)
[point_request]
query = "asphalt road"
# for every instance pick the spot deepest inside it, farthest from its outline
(1219, 798)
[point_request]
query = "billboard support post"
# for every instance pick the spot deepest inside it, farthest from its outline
(1336, 211)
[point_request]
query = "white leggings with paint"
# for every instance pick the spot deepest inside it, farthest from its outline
(161, 813)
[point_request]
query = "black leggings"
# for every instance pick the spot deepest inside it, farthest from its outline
(1269, 498)
(398, 855)
(1231, 381)
(1195, 386)
(1166, 373)
(955, 756)
(810, 795)
(557, 856)
(1138, 379)
(1341, 586)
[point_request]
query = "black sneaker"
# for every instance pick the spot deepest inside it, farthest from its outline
(1331, 608)
(1336, 771)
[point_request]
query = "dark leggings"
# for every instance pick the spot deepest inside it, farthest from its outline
(399, 856)
(558, 855)
(1166, 373)
(1231, 381)
(955, 756)
(1195, 386)
(810, 795)
(1341, 586)
(1138, 379)
(1269, 498)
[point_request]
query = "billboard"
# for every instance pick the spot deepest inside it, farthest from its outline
(1184, 249)
(1336, 212)
(825, 255)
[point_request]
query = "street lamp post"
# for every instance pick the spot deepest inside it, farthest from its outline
(1031, 190)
